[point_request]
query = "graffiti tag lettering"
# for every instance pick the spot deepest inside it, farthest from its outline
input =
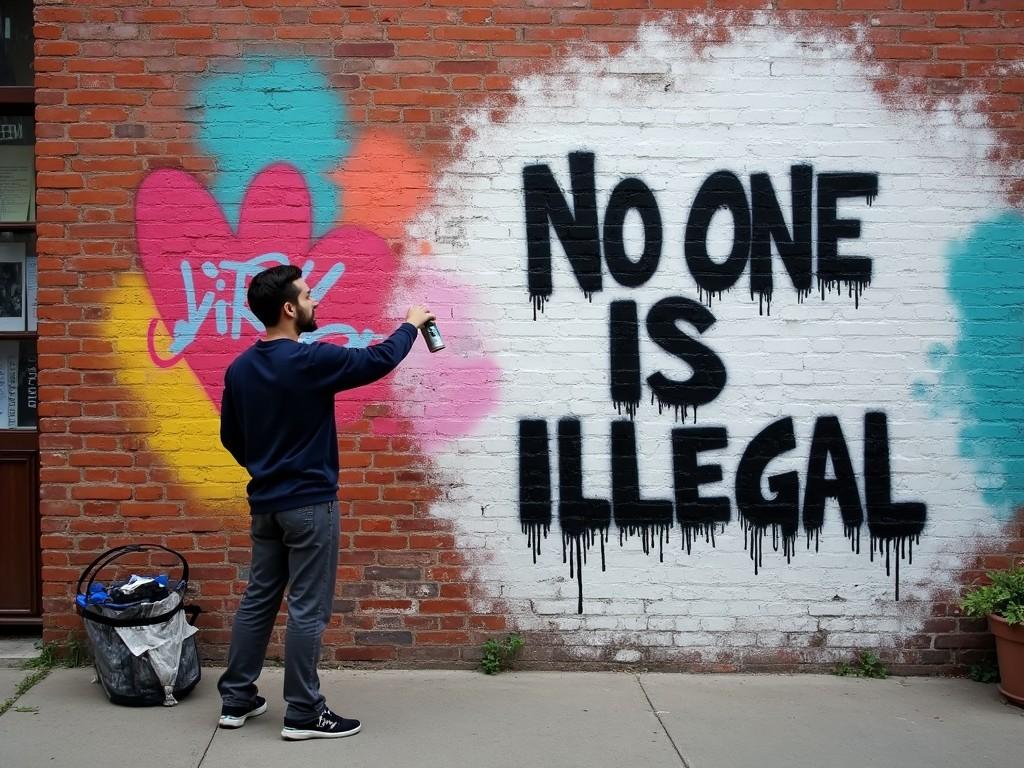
(230, 313)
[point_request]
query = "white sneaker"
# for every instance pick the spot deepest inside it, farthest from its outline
(235, 717)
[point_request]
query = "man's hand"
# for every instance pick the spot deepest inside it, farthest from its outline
(418, 315)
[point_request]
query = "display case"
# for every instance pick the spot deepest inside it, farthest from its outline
(20, 600)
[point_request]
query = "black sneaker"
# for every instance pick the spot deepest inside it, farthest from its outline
(327, 726)
(235, 717)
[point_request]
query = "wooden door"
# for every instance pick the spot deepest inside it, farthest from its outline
(19, 537)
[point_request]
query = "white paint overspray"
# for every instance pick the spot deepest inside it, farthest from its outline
(671, 113)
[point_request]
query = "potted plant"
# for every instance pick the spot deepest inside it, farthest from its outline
(1002, 601)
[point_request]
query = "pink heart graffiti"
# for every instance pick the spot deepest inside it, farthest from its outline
(198, 269)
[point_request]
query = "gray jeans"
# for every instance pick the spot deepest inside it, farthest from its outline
(297, 548)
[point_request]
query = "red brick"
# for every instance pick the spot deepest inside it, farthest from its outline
(994, 36)
(897, 19)
(522, 16)
(245, 33)
(409, 493)
(932, 5)
(152, 15)
(868, 5)
(442, 638)
(802, 5)
(967, 52)
(385, 605)
(738, 4)
(351, 459)
(394, 460)
(326, 16)
(105, 97)
(434, 541)
(972, 20)
(381, 542)
(219, 15)
(102, 459)
(354, 49)
(444, 574)
(374, 508)
(353, 491)
(60, 181)
(930, 69)
(930, 36)
(474, 33)
(56, 147)
(53, 475)
(494, 623)
(400, 32)
(444, 606)
(978, 640)
(903, 52)
(454, 590)
(57, 48)
(428, 49)
(375, 526)
(83, 492)
(149, 510)
(45, 13)
(102, 31)
(365, 653)
(553, 33)
(181, 32)
(465, 66)
(304, 32)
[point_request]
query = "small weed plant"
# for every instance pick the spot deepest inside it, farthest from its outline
(986, 672)
(1004, 596)
(24, 686)
(867, 664)
(73, 653)
(499, 654)
(70, 654)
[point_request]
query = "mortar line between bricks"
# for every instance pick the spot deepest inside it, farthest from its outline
(661, 722)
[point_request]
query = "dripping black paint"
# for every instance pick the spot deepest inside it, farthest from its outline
(584, 519)
(757, 222)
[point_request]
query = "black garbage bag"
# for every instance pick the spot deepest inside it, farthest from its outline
(144, 650)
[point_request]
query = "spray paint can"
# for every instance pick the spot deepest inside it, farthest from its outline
(432, 336)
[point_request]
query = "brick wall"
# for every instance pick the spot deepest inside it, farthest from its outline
(587, 191)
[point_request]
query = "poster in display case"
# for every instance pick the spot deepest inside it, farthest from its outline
(13, 301)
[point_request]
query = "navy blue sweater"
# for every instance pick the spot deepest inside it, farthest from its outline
(277, 413)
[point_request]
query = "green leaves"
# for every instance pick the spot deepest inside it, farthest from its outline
(1003, 597)
(867, 664)
(985, 672)
(498, 654)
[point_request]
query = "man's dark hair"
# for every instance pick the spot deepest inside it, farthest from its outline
(270, 289)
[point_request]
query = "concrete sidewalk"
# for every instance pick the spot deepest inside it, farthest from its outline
(457, 719)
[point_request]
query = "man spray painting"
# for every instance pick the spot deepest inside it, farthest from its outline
(277, 421)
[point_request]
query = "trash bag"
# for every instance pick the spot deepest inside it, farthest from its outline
(144, 650)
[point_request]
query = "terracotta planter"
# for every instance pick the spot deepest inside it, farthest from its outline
(1010, 651)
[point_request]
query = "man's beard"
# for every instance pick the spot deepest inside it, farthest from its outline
(307, 324)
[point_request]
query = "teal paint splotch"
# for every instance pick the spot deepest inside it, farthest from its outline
(271, 111)
(984, 371)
